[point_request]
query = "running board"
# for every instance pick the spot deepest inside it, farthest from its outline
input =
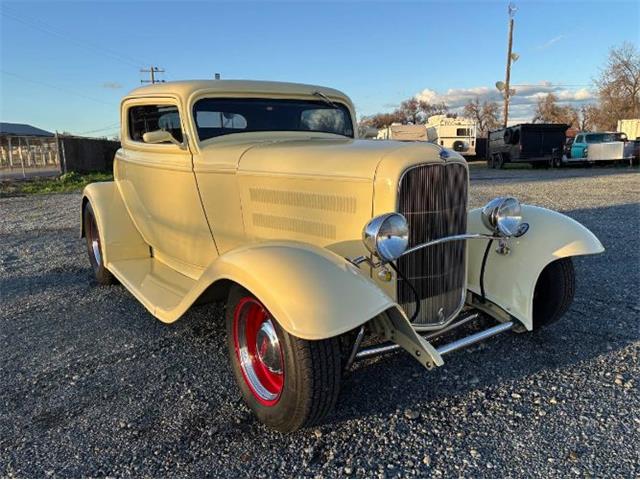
(443, 349)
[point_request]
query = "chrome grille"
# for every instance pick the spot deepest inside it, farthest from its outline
(433, 198)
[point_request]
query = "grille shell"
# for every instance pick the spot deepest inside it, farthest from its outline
(433, 198)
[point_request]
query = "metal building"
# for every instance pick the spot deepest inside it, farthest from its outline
(25, 149)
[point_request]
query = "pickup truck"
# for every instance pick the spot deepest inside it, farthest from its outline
(598, 147)
(326, 249)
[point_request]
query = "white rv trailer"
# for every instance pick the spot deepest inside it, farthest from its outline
(458, 134)
(406, 133)
(631, 127)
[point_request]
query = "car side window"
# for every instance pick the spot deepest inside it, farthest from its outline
(148, 118)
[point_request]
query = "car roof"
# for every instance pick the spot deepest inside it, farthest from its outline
(187, 88)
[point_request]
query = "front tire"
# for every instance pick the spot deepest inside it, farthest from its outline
(288, 382)
(554, 292)
(94, 248)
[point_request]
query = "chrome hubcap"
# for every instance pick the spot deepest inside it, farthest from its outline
(95, 241)
(95, 245)
(268, 347)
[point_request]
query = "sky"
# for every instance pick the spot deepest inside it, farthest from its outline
(65, 65)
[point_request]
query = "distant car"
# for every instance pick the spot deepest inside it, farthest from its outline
(598, 147)
(534, 143)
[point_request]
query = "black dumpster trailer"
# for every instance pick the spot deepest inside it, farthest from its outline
(534, 143)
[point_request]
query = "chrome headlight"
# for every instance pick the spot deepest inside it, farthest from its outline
(386, 236)
(502, 215)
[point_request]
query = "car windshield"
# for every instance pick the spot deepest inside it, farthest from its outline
(601, 137)
(221, 116)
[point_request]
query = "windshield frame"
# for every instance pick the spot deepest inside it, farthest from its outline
(340, 105)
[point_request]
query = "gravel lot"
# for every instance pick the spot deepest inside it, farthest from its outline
(93, 385)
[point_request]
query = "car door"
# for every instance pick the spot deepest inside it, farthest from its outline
(577, 149)
(567, 147)
(159, 188)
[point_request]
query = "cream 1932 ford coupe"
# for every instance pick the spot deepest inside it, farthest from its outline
(260, 194)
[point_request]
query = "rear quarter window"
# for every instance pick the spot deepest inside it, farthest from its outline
(148, 118)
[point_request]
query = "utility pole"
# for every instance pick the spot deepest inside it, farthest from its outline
(508, 74)
(152, 71)
(507, 79)
(504, 87)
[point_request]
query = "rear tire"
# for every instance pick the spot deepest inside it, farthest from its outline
(557, 162)
(94, 248)
(554, 292)
(296, 391)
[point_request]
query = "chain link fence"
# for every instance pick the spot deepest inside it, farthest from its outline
(32, 156)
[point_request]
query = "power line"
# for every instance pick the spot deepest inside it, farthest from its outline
(108, 127)
(62, 89)
(44, 27)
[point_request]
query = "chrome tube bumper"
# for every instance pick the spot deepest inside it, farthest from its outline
(372, 351)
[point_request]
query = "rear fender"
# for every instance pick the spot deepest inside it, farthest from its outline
(510, 279)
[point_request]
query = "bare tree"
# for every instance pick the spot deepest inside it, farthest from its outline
(619, 86)
(485, 115)
(588, 117)
(411, 110)
(548, 111)
(381, 120)
(418, 111)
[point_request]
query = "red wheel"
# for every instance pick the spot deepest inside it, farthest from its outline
(288, 382)
(258, 351)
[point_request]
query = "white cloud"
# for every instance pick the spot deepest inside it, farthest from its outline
(522, 103)
(427, 96)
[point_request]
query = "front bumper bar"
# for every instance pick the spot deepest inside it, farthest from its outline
(417, 346)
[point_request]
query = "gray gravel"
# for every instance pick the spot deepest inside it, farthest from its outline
(93, 385)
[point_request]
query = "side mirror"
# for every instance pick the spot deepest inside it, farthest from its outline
(159, 136)
(368, 132)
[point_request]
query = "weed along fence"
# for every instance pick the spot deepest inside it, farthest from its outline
(27, 151)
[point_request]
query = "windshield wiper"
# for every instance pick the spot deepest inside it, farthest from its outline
(325, 98)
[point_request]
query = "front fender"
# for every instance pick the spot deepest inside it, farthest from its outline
(510, 280)
(312, 292)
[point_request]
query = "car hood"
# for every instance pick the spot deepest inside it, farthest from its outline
(331, 157)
